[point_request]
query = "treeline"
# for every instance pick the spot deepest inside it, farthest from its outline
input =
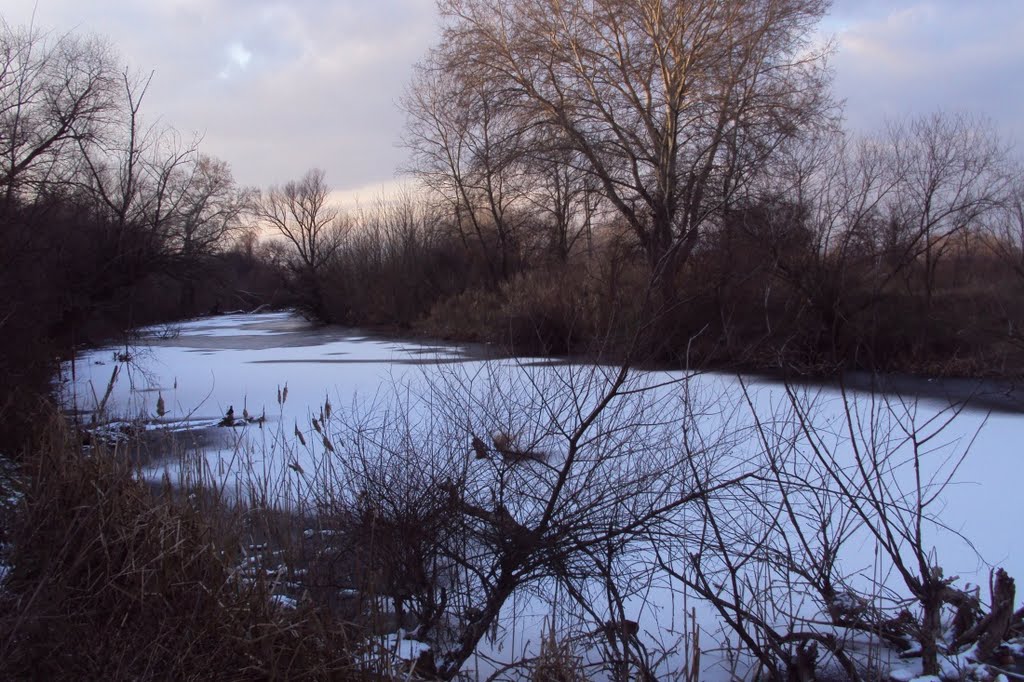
(106, 221)
(686, 198)
(900, 252)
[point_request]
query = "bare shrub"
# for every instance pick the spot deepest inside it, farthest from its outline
(581, 467)
(778, 559)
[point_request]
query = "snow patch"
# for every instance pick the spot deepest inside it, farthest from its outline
(283, 601)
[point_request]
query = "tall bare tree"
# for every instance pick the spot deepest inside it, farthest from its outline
(136, 175)
(674, 105)
(467, 148)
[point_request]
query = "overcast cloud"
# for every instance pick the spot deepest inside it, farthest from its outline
(900, 58)
(276, 88)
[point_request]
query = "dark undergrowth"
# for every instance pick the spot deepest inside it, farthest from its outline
(111, 579)
(758, 324)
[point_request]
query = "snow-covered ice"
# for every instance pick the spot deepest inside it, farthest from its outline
(278, 366)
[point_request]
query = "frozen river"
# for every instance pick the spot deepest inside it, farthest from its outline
(275, 376)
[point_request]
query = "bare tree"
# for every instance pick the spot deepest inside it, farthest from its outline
(954, 169)
(675, 106)
(301, 214)
(1006, 231)
(820, 219)
(137, 172)
(850, 225)
(136, 175)
(1005, 238)
(563, 195)
(211, 211)
(467, 148)
(54, 95)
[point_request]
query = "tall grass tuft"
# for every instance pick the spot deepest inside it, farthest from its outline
(113, 579)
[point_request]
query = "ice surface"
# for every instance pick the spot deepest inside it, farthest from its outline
(201, 368)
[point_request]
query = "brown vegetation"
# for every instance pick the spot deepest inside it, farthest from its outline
(113, 580)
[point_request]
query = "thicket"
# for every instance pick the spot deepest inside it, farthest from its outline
(811, 279)
(540, 222)
(611, 498)
(773, 238)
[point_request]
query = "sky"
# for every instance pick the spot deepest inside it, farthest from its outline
(276, 88)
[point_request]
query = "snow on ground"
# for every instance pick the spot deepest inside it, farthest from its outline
(279, 371)
(10, 498)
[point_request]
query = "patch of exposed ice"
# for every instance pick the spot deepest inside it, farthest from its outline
(283, 601)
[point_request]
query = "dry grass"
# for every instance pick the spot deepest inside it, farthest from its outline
(112, 580)
(472, 315)
(557, 662)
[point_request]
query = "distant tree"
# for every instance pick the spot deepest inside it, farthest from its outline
(211, 211)
(953, 169)
(300, 213)
(1006, 232)
(467, 148)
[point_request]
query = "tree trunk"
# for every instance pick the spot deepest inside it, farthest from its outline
(931, 629)
(475, 630)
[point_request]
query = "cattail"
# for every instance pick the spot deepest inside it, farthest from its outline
(299, 435)
(161, 409)
(327, 444)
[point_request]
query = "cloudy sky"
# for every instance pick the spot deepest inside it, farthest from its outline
(276, 88)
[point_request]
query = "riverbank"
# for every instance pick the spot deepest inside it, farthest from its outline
(999, 391)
